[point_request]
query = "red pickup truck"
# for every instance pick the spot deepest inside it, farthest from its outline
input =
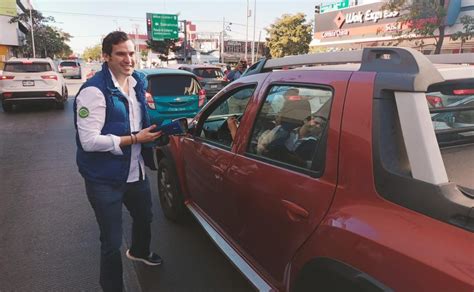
(325, 172)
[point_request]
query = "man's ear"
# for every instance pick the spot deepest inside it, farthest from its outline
(106, 57)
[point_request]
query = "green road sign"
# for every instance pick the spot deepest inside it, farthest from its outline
(334, 6)
(163, 26)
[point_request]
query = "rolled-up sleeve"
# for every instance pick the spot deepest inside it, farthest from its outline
(90, 121)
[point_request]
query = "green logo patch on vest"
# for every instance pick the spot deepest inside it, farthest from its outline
(83, 112)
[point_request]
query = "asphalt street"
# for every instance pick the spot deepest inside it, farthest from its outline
(49, 240)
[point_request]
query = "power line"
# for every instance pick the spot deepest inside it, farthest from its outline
(136, 18)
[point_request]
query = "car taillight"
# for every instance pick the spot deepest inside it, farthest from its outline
(435, 101)
(202, 97)
(50, 77)
(50, 94)
(6, 77)
(7, 94)
(463, 91)
(149, 100)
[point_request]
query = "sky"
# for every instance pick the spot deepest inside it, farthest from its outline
(89, 20)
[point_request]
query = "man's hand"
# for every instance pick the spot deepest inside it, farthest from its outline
(232, 124)
(147, 135)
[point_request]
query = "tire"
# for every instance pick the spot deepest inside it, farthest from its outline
(7, 107)
(171, 199)
(60, 105)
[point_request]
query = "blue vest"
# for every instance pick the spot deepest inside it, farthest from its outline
(105, 167)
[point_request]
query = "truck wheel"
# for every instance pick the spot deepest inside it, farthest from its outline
(171, 199)
(7, 107)
(60, 105)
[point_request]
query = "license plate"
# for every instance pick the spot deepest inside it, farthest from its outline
(28, 83)
(213, 86)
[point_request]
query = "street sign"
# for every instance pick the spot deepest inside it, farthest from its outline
(334, 6)
(163, 26)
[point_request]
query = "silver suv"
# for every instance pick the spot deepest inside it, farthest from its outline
(27, 80)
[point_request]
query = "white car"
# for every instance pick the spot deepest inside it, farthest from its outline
(71, 69)
(26, 80)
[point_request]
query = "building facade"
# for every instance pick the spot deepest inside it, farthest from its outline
(12, 34)
(370, 25)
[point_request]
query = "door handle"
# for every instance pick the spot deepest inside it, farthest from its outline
(295, 212)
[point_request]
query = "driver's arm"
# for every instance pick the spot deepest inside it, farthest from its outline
(232, 124)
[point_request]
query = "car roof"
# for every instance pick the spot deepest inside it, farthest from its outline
(195, 66)
(44, 60)
(448, 71)
(165, 71)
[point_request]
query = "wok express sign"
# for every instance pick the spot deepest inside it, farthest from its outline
(369, 15)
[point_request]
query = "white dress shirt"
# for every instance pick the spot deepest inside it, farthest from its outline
(89, 128)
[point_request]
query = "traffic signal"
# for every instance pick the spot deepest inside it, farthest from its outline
(148, 24)
(317, 9)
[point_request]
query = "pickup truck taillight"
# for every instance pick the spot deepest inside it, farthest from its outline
(202, 97)
(50, 77)
(6, 77)
(149, 100)
(7, 94)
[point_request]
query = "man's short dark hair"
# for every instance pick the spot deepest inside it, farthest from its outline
(113, 38)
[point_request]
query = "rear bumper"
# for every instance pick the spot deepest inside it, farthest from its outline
(72, 74)
(34, 96)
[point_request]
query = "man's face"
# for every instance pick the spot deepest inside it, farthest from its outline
(122, 60)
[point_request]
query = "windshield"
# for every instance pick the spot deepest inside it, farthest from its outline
(27, 67)
(208, 72)
(69, 64)
(173, 85)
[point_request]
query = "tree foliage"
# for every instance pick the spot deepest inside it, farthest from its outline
(49, 41)
(289, 35)
(468, 30)
(93, 53)
(421, 18)
(163, 48)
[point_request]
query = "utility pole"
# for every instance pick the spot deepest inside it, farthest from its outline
(222, 40)
(258, 44)
(247, 30)
(32, 31)
(254, 23)
(137, 47)
(185, 42)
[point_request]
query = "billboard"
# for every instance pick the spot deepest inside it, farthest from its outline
(8, 7)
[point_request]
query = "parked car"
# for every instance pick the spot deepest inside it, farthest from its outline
(172, 94)
(456, 121)
(211, 77)
(334, 180)
(31, 81)
(70, 68)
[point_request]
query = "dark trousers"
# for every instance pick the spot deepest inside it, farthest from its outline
(106, 200)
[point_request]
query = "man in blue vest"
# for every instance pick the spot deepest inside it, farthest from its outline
(112, 126)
